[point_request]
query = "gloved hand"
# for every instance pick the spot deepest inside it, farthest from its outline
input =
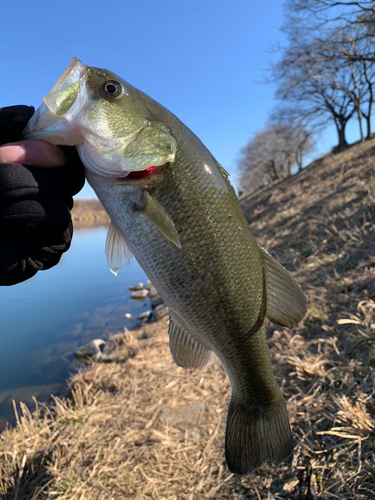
(35, 204)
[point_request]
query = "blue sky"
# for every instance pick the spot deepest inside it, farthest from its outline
(204, 60)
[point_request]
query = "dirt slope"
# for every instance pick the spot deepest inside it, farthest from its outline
(124, 433)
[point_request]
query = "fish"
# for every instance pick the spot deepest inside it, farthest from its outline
(172, 206)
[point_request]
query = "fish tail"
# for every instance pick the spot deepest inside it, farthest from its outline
(255, 435)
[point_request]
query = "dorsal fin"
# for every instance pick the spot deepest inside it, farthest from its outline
(286, 302)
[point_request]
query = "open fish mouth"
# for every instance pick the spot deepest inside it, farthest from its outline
(139, 174)
(96, 111)
(137, 177)
(56, 118)
(74, 72)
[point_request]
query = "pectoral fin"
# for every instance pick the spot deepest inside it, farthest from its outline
(156, 214)
(286, 302)
(187, 352)
(117, 250)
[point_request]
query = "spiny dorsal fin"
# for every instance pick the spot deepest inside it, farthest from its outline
(286, 302)
(156, 214)
(187, 352)
(117, 250)
(223, 171)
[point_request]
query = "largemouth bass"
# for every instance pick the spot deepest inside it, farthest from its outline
(172, 206)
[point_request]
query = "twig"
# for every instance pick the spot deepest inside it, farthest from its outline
(20, 474)
(16, 413)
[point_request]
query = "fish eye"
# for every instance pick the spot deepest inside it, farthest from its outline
(112, 88)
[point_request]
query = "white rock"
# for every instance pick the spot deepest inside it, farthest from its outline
(144, 315)
(91, 351)
(139, 286)
(139, 295)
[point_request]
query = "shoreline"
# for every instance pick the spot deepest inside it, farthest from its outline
(88, 214)
(143, 428)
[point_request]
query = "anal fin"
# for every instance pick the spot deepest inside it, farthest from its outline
(186, 350)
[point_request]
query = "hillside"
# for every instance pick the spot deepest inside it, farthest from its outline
(143, 428)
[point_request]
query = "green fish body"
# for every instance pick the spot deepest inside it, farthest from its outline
(172, 206)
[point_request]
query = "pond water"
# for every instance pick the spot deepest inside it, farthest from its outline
(43, 320)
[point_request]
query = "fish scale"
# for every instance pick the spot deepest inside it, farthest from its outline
(182, 221)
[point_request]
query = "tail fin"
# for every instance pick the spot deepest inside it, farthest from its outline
(255, 435)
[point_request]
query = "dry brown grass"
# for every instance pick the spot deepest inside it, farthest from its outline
(112, 439)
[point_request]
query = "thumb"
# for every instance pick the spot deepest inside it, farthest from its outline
(32, 152)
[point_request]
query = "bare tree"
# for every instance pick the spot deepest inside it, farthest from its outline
(352, 46)
(317, 85)
(272, 152)
(329, 65)
(254, 162)
(321, 18)
(369, 77)
(328, 11)
(300, 135)
(338, 54)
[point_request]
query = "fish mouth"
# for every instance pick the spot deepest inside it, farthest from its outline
(73, 74)
(53, 120)
(139, 175)
(136, 174)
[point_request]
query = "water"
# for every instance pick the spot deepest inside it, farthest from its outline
(43, 320)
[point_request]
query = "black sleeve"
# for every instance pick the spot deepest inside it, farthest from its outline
(35, 204)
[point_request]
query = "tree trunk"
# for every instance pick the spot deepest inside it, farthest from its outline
(342, 138)
(360, 125)
(340, 126)
(368, 127)
(273, 171)
(370, 101)
(299, 160)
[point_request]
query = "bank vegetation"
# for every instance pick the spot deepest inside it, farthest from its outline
(142, 428)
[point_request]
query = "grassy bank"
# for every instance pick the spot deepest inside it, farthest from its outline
(88, 213)
(143, 428)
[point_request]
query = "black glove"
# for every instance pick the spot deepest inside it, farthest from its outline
(35, 204)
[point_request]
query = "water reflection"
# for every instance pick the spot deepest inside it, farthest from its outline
(43, 320)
